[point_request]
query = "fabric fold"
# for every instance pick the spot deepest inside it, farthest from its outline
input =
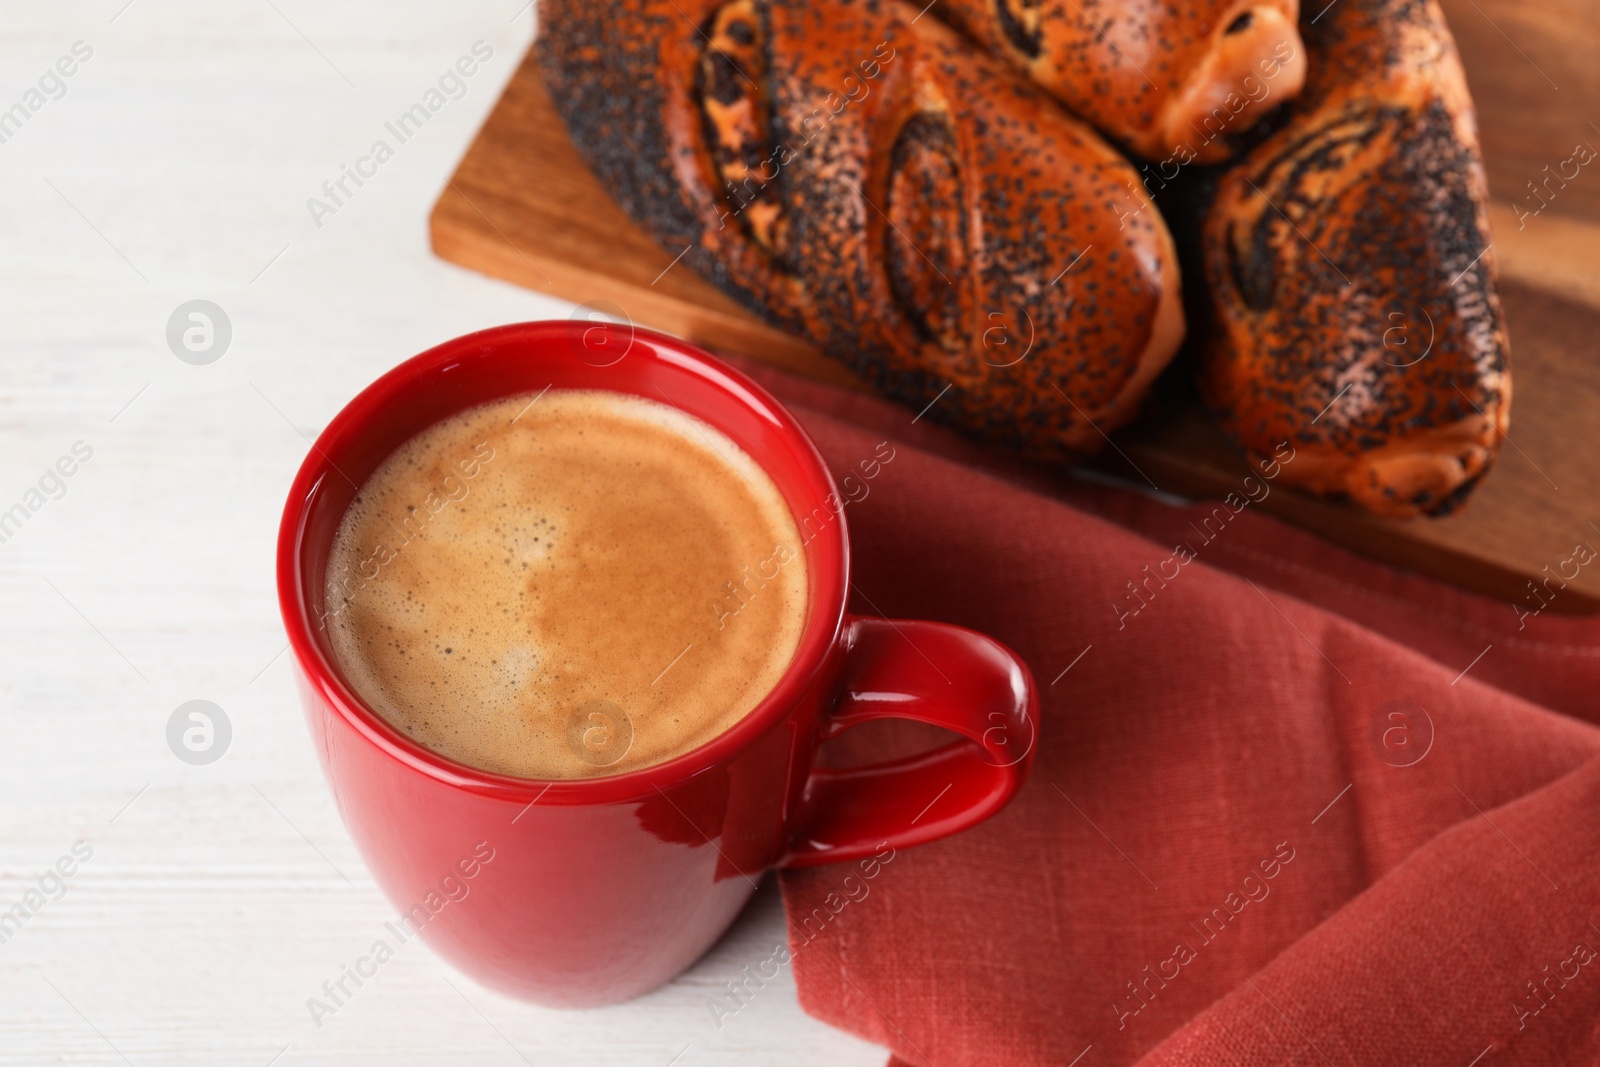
(1279, 812)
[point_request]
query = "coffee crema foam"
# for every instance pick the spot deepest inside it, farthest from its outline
(566, 585)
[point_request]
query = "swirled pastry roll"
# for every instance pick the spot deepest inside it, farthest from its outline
(1173, 81)
(861, 175)
(1351, 278)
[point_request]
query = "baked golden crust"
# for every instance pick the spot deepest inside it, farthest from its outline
(1351, 278)
(1175, 80)
(863, 176)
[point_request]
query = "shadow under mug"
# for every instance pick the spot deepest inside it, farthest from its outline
(583, 892)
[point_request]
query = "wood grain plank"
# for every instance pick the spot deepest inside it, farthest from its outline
(1534, 82)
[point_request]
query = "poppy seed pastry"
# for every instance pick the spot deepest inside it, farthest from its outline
(1350, 276)
(1173, 81)
(859, 174)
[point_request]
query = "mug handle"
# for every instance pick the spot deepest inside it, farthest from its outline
(929, 672)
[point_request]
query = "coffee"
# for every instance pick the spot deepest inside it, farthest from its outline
(566, 584)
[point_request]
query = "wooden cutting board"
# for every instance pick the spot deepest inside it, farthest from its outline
(523, 207)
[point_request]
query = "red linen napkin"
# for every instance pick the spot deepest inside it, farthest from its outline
(1289, 806)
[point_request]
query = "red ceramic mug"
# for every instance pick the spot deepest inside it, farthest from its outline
(589, 891)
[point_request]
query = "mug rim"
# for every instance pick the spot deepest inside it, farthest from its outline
(828, 553)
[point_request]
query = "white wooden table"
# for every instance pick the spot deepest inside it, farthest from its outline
(174, 164)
